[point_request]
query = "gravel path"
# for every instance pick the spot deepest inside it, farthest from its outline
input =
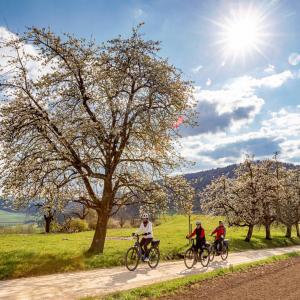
(102, 281)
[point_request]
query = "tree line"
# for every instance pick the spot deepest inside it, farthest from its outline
(261, 193)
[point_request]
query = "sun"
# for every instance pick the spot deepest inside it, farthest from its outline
(242, 33)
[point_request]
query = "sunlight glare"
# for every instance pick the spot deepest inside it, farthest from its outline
(242, 33)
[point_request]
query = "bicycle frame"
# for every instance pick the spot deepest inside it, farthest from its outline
(224, 242)
(193, 246)
(137, 244)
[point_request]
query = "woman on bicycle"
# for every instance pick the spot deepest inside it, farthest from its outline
(200, 235)
(220, 232)
(146, 230)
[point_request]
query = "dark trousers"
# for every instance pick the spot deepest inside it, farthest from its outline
(219, 244)
(200, 244)
(144, 245)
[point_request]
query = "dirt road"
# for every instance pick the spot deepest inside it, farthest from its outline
(102, 281)
(277, 281)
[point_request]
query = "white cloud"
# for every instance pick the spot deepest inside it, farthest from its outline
(281, 131)
(276, 80)
(208, 82)
(294, 59)
(138, 12)
(240, 92)
(6, 34)
(283, 123)
(197, 69)
(26, 51)
(272, 81)
(270, 69)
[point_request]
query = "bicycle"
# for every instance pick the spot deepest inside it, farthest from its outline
(134, 254)
(192, 255)
(223, 252)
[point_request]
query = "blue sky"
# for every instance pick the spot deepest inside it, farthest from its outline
(247, 103)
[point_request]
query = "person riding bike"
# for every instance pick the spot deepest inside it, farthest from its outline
(220, 232)
(146, 229)
(200, 236)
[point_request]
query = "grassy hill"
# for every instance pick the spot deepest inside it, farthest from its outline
(7, 218)
(36, 254)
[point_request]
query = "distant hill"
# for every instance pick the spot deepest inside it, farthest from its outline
(203, 178)
(3, 206)
(200, 180)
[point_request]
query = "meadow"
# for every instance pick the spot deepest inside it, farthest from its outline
(10, 217)
(24, 255)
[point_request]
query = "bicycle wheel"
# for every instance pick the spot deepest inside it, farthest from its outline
(204, 257)
(190, 258)
(224, 253)
(211, 253)
(132, 259)
(154, 257)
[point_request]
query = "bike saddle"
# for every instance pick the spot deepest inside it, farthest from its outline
(155, 242)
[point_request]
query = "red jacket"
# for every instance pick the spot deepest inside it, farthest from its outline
(220, 230)
(200, 233)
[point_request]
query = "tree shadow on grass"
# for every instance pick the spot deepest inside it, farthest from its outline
(15, 264)
(259, 242)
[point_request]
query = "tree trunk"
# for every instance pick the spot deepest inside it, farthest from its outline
(297, 229)
(268, 231)
(48, 220)
(249, 233)
(288, 231)
(97, 245)
(122, 222)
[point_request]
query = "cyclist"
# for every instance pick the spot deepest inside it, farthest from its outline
(146, 229)
(220, 232)
(200, 236)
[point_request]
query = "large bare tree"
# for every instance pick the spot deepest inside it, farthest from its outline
(98, 119)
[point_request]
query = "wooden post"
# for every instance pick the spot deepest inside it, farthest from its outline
(190, 227)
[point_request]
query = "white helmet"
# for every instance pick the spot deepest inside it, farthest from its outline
(198, 223)
(145, 216)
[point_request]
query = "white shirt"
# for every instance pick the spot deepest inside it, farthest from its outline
(146, 229)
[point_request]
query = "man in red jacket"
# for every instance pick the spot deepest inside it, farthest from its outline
(200, 235)
(220, 232)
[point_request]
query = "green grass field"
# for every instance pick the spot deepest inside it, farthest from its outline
(36, 254)
(10, 217)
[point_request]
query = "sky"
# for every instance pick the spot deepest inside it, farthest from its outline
(242, 56)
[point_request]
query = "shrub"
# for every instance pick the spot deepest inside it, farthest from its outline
(127, 224)
(78, 225)
(157, 222)
(56, 227)
(91, 219)
(92, 225)
(70, 226)
(113, 223)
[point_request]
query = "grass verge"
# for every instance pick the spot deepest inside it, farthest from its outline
(172, 286)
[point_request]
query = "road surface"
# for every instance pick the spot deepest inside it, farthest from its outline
(102, 281)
